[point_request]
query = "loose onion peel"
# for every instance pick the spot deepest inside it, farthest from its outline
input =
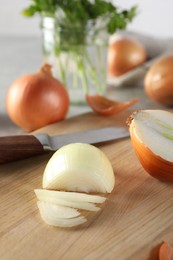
(165, 251)
(107, 107)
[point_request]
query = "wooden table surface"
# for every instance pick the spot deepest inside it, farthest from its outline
(132, 224)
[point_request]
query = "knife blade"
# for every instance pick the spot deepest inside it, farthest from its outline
(19, 147)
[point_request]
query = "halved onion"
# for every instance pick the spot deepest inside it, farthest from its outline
(151, 133)
(79, 167)
(50, 215)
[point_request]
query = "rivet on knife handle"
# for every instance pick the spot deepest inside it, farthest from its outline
(19, 147)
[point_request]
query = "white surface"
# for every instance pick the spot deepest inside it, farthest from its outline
(154, 18)
(12, 22)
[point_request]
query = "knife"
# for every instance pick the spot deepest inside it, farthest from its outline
(19, 147)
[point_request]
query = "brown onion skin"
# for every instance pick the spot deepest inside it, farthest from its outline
(165, 251)
(156, 166)
(125, 55)
(36, 100)
(158, 83)
(107, 107)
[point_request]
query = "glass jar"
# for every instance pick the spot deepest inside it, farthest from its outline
(78, 56)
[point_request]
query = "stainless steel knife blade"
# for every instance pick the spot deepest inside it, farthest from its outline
(93, 136)
(19, 147)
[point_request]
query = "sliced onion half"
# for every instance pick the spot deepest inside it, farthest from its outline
(72, 172)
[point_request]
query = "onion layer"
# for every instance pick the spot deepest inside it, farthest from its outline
(56, 198)
(70, 196)
(49, 214)
(58, 210)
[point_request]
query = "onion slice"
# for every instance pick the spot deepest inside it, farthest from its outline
(107, 107)
(48, 213)
(58, 211)
(70, 196)
(54, 198)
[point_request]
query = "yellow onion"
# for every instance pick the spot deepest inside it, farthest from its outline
(158, 81)
(124, 55)
(37, 99)
(151, 134)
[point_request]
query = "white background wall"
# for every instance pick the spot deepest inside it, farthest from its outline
(155, 17)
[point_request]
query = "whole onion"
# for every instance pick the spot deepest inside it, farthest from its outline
(158, 83)
(37, 99)
(124, 55)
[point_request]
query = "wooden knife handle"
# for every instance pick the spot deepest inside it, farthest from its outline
(13, 148)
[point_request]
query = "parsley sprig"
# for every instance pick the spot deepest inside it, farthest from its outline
(79, 12)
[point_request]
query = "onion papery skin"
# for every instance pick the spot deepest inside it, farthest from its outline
(156, 166)
(107, 107)
(36, 100)
(165, 251)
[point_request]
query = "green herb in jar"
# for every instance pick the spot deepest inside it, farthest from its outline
(81, 29)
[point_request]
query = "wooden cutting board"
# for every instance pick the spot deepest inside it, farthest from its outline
(136, 218)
